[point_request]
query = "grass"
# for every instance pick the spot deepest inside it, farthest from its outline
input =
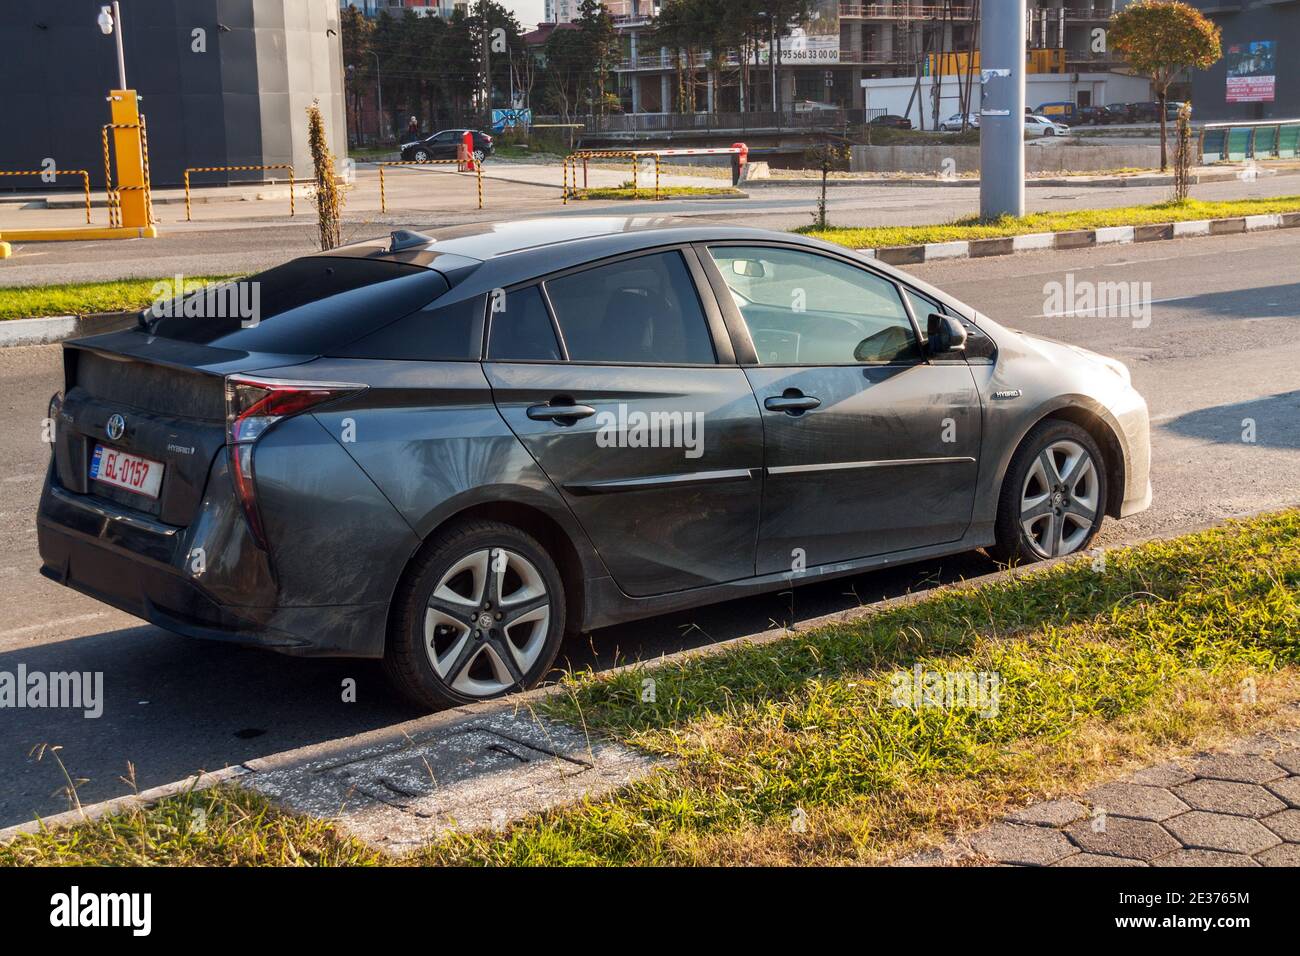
(82, 298)
(1100, 671)
(645, 191)
(972, 227)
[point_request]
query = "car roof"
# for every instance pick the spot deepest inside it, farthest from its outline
(524, 249)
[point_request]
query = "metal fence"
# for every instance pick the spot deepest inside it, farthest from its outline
(792, 120)
(1279, 139)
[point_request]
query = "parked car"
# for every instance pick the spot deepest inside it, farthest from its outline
(1118, 113)
(953, 123)
(1173, 106)
(1042, 126)
(446, 451)
(1144, 112)
(890, 121)
(445, 145)
(1090, 116)
(1060, 112)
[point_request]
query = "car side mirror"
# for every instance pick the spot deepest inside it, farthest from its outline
(749, 268)
(944, 334)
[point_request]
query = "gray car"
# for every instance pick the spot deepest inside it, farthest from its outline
(446, 451)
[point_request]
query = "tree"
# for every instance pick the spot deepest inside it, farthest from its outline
(357, 32)
(1160, 38)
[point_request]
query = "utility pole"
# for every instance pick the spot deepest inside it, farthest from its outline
(1002, 109)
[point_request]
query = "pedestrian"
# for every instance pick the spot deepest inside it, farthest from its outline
(412, 127)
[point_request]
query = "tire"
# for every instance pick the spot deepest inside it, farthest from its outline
(1042, 514)
(473, 649)
(421, 156)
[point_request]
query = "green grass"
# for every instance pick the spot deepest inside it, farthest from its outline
(972, 227)
(647, 191)
(1100, 670)
(82, 298)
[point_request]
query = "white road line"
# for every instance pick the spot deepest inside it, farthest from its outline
(33, 628)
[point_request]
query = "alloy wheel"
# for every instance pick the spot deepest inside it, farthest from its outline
(486, 622)
(1059, 500)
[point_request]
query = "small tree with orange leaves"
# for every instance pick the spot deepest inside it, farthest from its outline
(1160, 38)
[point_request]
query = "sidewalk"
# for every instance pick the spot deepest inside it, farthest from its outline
(1239, 806)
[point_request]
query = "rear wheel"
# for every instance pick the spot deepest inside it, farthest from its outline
(1053, 497)
(481, 615)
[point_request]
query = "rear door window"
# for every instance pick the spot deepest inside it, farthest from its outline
(521, 328)
(306, 307)
(642, 311)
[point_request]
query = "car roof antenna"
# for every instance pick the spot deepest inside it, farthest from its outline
(406, 239)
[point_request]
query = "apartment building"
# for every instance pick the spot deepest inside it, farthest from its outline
(825, 59)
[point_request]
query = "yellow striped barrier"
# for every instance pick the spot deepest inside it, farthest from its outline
(85, 179)
(478, 173)
(231, 169)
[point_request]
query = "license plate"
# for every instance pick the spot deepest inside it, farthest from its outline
(115, 467)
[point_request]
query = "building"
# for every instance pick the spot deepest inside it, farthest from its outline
(421, 8)
(222, 83)
(825, 59)
(1256, 79)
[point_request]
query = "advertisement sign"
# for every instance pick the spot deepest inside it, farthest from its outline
(503, 120)
(1252, 71)
(815, 40)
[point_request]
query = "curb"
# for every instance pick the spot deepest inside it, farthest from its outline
(46, 331)
(397, 734)
(1078, 239)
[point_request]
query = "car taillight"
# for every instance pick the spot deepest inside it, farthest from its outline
(252, 407)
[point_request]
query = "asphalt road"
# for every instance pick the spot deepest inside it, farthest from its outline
(1221, 347)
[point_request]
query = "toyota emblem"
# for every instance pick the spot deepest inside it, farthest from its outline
(116, 426)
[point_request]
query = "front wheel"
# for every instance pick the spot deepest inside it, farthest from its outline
(480, 615)
(1053, 497)
(422, 156)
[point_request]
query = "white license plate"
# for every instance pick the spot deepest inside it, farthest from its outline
(115, 467)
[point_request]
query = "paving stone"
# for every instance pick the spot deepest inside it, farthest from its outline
(1161, 775)
(1050, 813)
(1024, 845)
(1137, 801)
(1288, 790)
(1135, 839)
(1203, 858)
(1240, 767)
(1263, 745)
(1285, 824)
(1224, 796)
(1096, 859)
(1220, 831)
(1286, 854)
(1288, 760)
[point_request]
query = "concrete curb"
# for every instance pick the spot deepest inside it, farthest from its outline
(1079, 239)
(1082, 182)
(398, 735)
(45, 331)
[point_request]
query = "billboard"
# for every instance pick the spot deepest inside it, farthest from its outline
(814, 40)
(1252, 71)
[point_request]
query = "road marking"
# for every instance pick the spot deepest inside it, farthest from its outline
(32, 628)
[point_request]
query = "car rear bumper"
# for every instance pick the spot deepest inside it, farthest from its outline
(184, 580)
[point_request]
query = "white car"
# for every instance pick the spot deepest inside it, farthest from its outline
(1042, 126)
(953, 123)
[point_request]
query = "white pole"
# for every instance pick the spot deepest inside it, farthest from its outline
(121, 58)
(1002, 109)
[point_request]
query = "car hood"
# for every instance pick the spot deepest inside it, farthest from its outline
(1065, 353)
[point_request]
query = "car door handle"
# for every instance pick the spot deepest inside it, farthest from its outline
(550, 413)
(791, 404)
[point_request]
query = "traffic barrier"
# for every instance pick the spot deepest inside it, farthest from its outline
(462, 165)
(738, 151)
(85, 179)
(229, 169)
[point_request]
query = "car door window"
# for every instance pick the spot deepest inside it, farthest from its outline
(521, 329)
(802, 308)
(641, 311)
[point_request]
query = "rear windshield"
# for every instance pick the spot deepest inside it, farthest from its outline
(308, 306)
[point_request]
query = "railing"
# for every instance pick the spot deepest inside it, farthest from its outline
(901, 11)
(1279, 139)
(794, 120)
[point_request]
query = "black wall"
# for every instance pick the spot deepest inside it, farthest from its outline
(1243, 21)
(240, 103)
